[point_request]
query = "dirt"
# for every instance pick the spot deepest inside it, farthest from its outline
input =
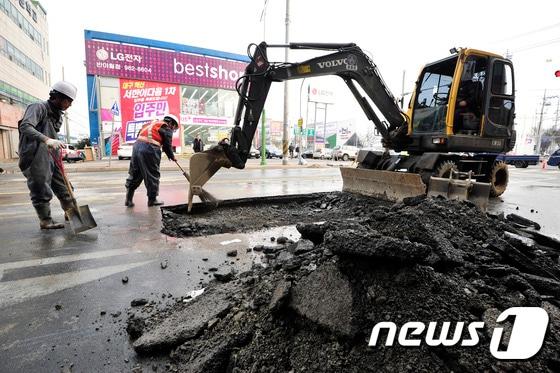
(313, 305)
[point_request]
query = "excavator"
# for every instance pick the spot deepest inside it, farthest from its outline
(460, 116)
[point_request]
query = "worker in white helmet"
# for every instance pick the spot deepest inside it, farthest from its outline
(146, 158)
(38, 144)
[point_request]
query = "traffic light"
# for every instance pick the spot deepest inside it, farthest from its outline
(557, 73)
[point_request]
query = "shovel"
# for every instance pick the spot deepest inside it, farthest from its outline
(204, 195)
(80, 217)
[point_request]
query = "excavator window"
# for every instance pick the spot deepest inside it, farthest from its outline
(430, 108)
(469, 105)
(501, 101)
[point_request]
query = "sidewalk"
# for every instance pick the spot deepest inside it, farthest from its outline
(11, 167)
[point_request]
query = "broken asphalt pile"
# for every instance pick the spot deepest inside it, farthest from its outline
(313, 306)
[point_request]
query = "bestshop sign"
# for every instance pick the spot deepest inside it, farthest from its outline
(133, 62)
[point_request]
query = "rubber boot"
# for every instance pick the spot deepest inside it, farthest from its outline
(129, 195)
(45, 220)
(154, 202)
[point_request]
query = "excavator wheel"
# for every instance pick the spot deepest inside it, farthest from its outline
(499, 177)
(444, 169)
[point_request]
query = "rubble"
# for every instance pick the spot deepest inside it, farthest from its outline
(313, 305)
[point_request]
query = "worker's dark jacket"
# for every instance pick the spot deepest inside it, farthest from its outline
(145, 161)
(40, 121)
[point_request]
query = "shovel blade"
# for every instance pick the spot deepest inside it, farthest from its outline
(81, 220)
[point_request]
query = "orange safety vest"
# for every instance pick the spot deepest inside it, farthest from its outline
(150, 133)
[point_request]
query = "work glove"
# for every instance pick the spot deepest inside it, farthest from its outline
(55, 144)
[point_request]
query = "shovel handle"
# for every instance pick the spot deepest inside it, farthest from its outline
(60, 166)
(184, 172)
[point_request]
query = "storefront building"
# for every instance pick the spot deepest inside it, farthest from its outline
(132, 81)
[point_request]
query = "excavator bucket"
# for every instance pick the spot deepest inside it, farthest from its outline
(386, 185)
(469, 190)
(202, 167)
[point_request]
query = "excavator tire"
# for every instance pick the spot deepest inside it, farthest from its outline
(499, 177)
(444, 169)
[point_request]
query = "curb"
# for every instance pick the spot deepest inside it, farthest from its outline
(169, 168)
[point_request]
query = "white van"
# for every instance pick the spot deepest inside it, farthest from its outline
(345, 152)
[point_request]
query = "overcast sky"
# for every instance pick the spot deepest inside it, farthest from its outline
(399, 35)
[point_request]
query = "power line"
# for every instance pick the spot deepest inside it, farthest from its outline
(528, 33)
(535, 45)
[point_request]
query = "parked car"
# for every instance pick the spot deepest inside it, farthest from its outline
(254, 153)
(70, 154)
(323, 153)
(307, 153)
(125, 150)
(554, 159)
(345, 152)
(272, 152)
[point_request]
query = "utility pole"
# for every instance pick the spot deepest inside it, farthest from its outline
(557, 112)
(66, 126)
(285, 129)
(300, 125)
(102, 135)
(263, 115)
(538, 150)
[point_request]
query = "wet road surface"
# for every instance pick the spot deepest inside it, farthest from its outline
(63, 304)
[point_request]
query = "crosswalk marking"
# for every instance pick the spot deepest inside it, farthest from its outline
(64, 259)
(13, 292)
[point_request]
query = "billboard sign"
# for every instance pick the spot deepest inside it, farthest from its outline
(142, 102)
(317, 94)
(140, 63)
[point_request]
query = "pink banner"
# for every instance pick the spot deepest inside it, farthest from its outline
(143, 102)
(133, 62)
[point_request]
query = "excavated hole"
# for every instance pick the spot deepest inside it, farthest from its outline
(248, 214)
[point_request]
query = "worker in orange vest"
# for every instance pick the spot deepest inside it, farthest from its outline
(146, 158)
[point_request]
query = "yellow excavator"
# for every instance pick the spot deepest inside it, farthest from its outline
(460, 117)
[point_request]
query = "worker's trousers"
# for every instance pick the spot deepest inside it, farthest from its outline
(44, 178)
(144, 166)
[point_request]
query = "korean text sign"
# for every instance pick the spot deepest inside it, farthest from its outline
(143, 102)
(135, 62)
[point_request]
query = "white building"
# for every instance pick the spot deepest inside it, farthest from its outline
(24, 66)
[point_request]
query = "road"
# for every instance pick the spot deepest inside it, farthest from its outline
(63, 303)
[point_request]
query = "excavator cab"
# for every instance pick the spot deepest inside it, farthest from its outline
(463, 103)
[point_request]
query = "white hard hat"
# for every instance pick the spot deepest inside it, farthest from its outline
(171, 116)
(67, 89)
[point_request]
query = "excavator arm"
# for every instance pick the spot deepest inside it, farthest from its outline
(348, 62)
